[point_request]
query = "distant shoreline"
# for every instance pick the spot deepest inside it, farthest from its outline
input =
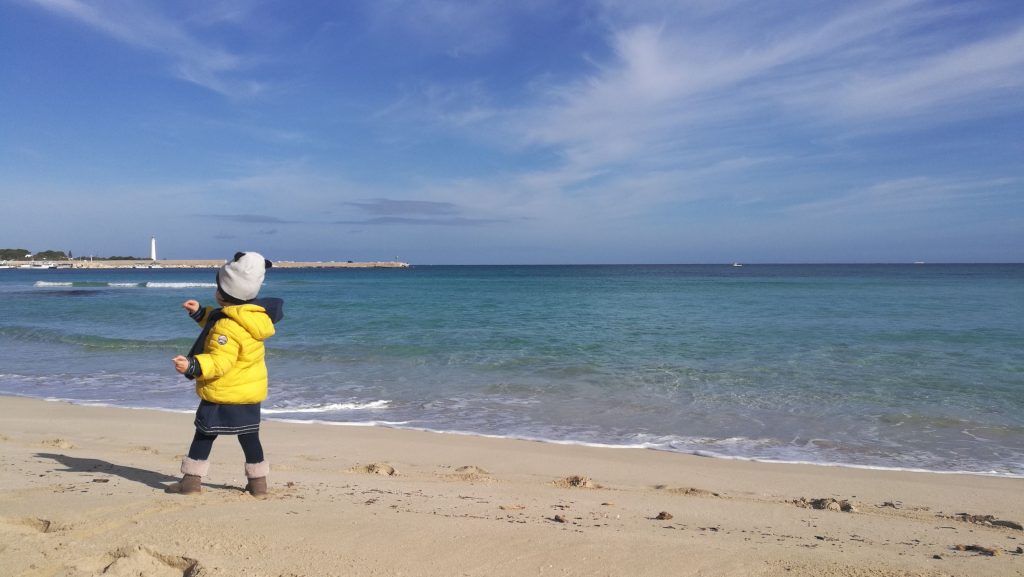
(171, 263)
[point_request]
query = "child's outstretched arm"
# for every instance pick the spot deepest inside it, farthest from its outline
(180, 364)
(195, 310)
(187, 366)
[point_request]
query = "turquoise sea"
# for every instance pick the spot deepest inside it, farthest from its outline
(895, 366)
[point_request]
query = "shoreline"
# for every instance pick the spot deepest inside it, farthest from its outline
(81, 494)
(524, 438)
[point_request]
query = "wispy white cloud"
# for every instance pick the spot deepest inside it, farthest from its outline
(457, 28)
(249, 218)
(668, 80)
(680, 94)
(420, 221)
(296, 193)
(457, 105)
(989, 72)
(139, 25)
(906, 197)
(392, 207)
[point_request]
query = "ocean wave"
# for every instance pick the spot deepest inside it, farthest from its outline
(100, 284)
(385, 424)
(181, 284)
(329, 408)
(84, 284)
(42, 335)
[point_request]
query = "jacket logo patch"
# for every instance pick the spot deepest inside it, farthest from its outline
(222, 340)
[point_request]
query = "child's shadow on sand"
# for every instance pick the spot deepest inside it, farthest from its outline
(149, 478)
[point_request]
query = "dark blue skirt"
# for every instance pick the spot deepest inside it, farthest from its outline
(216, 419)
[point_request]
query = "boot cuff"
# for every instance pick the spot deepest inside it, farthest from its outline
(195, 467)
(257, 470)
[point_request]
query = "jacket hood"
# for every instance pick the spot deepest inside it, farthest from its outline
(274, 308)
(253, 318)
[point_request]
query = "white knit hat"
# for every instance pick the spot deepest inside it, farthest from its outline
(240, 279)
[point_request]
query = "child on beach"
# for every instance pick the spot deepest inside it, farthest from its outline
(227, 364)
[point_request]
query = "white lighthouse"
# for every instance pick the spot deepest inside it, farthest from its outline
(152, 248)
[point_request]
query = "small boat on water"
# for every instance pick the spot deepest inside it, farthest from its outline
(736, 264)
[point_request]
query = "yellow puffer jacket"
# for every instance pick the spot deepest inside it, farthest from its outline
(233, 369)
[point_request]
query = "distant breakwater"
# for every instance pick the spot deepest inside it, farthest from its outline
(218, 263)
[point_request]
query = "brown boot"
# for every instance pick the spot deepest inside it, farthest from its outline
(188, 485)
(257, 487)
(257, 475)
(191, 483)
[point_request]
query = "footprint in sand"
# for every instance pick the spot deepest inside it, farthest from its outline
(470, 473)
(382, 469)
(689, 491)
(577, 481)
(144, 449)
(140, 560)
(987, 520)
(826, 504)
(31, 524)
(58, 444)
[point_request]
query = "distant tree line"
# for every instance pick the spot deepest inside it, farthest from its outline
(25, 254)
(14, 253)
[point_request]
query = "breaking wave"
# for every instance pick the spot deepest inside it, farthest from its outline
(159, 285)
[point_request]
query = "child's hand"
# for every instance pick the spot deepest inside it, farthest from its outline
(181, 363)
(191, 306)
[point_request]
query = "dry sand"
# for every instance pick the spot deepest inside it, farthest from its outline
(81, 493)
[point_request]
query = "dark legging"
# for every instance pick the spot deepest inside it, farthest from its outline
(202, 444)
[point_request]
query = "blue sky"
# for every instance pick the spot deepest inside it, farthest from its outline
(535, 131)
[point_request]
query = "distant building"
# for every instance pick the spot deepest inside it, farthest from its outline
(152, 248)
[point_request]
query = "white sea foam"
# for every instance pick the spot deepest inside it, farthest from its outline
(386, 424)
(714, 455)
(405, 425)
(708, 454)
(181, 284)
(172, 285)
(381, 404)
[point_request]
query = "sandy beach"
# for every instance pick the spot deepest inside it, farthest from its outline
(81, 493)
